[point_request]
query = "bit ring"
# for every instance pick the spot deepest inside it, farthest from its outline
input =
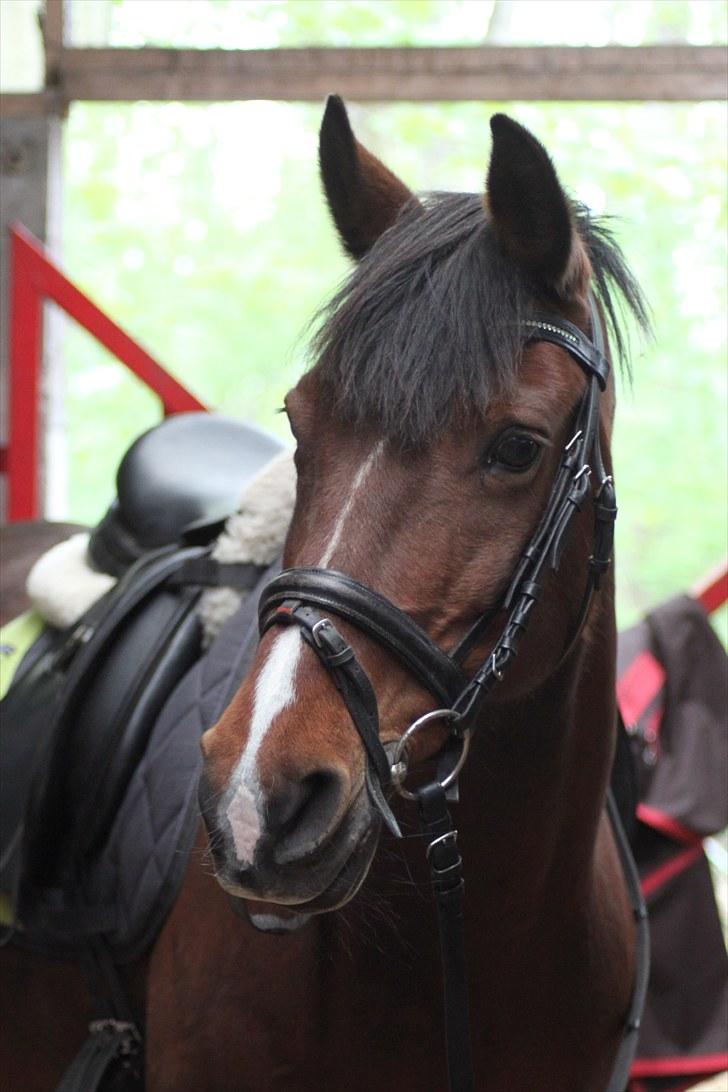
(400, 762)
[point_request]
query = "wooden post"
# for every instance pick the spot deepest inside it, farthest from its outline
(52, 23)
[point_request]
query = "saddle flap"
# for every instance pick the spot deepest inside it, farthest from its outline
(70, 734)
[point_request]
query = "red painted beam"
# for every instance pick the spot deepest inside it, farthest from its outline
(51, 283)
(34, 278)
(22, 455)
(712, 591)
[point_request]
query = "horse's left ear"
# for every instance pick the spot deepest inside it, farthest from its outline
(530, 212)
(363, 195)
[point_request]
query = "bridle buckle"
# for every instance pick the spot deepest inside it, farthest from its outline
(443, 840)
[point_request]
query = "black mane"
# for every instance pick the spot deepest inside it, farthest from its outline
(429, 321)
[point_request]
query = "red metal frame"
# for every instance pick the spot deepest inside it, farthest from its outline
(33, 279)
(712, 591)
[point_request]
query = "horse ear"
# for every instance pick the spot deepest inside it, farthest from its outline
(363, 195)
(530, 212)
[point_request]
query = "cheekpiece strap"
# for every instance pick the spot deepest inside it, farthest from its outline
(353, 683)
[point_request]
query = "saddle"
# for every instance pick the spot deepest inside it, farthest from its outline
(84, 700)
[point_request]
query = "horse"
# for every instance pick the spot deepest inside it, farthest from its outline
(430, 429)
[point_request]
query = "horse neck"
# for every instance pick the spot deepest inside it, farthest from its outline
(536, 780)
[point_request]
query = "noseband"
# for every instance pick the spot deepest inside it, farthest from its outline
(307, 596)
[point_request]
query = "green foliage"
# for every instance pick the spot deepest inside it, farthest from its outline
(202, 230)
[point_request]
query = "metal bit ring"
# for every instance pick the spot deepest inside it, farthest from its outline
(400, 763)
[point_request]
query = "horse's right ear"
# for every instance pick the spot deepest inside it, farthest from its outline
(363, 195)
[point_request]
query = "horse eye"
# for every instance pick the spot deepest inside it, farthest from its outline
(515, 451)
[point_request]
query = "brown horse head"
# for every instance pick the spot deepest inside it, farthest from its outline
(428, 438)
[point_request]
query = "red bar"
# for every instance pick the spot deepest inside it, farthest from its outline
(639, 685)
(712, 591)
(34, 278)
(665, 824)
(653, 881)
(23, 386)
(702, 1064)
(49, 281)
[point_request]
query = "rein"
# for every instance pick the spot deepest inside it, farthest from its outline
(302, 596)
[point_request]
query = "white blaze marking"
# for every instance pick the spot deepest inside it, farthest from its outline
(274, 691)
(359, 480)
(242, 814)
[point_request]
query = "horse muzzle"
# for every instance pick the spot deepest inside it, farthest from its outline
(299, 846)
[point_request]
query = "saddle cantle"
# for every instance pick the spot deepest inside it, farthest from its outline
(183, 476)
(79, 714)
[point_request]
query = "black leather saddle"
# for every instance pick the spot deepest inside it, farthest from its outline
(83, 702)
(182, 478)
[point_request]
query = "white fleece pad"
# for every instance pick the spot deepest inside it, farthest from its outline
(255, 534)
(62, 585)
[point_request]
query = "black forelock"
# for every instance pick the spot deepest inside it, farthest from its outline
(429, 322)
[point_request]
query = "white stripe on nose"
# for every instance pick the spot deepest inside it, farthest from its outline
(360, 478)
(274, 690)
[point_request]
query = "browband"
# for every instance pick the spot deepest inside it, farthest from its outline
(563, 333)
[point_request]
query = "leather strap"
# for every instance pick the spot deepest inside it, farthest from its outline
(371, 613)
(352, 682)
(560, 332)
(110, 1046)
(113, 1053)
(446, 876)
(627, 1048)
(207, 572)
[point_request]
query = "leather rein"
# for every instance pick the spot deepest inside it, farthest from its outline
(307, 596)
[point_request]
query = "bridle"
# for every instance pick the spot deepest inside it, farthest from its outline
(306, 596)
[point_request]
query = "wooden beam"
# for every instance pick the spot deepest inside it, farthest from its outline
(491, 73)
(29, 105)
(52, 29)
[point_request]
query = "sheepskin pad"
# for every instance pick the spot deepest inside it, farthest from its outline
(62, 585)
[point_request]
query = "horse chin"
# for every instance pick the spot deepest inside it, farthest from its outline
(347, 883)
(286, 911)
(282, 918)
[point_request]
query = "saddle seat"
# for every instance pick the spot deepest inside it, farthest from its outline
(183, 475)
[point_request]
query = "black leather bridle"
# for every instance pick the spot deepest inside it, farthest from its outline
(307, 596)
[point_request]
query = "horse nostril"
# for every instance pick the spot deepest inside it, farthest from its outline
(301, 816)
